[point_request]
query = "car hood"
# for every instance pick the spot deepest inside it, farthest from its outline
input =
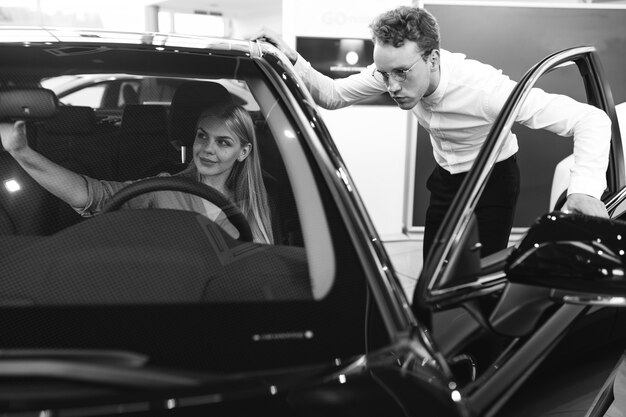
(108, 383)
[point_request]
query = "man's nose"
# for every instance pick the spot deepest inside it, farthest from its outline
(393, 86)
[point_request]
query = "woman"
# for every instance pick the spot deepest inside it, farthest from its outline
(224, 157)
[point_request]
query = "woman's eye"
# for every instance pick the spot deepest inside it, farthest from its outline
(223, 142)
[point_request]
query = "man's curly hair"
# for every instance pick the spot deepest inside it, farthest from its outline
(404, 23)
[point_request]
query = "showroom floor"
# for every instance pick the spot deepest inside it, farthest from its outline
(406, 257)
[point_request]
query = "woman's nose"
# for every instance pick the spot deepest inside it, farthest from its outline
(210, 146)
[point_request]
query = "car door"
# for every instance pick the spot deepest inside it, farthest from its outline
(496, 332)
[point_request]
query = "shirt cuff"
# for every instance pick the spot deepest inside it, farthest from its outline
(302, 66)
(585, 185)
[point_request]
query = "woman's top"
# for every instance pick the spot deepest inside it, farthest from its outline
(101, 191)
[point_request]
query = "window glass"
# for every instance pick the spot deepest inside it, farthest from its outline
(89, 96)
(167, 281)
(297, 219)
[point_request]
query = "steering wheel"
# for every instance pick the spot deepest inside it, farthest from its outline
(232, 212)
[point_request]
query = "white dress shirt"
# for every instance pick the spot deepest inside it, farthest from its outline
(462, 109)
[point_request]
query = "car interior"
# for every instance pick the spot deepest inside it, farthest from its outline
(148, 140)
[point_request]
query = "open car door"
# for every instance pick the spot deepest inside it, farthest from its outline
(516, 305)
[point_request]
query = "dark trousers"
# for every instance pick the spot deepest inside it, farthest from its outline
(494, 211)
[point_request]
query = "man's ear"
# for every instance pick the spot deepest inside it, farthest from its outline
(245, 151)
(433, 59)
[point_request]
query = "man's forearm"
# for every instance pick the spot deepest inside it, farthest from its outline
(334, 94)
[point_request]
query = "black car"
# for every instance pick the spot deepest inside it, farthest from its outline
(160, 311)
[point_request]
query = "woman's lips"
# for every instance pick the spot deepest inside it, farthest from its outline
(207, 161)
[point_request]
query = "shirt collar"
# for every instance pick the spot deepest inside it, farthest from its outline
(444, 77)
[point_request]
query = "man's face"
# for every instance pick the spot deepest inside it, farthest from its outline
(421, 79)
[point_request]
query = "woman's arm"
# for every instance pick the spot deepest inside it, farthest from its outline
(63, 183)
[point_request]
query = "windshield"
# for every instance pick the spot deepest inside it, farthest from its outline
(242, 273)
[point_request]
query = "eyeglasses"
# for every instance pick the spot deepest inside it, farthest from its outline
(397, 74)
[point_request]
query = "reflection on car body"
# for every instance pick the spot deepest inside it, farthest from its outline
(161, 311)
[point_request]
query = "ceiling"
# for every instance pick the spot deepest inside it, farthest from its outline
(229, 8)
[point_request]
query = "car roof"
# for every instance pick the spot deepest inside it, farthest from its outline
(120, 47)
(51, 36)
(60, 51)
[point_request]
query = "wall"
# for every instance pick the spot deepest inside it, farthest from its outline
(100, 14)
(372, 139)
(246, 25)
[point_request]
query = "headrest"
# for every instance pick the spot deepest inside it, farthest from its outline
(27, 103)
(188, 102)
(144, 118)
(72, 120)
(130, 94)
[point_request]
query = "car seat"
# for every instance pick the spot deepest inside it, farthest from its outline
(129, 94)
(26, 208)
(144, 147)
(188, 102)
(75, 140)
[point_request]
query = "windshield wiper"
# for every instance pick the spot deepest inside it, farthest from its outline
(117, 368)
(110, 357)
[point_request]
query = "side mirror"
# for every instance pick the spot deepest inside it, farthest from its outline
(458, 282)
(27, 104)
(581, 258)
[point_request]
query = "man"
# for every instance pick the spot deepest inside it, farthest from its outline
(456, 100)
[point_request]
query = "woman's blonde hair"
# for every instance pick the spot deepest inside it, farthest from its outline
(246, 177)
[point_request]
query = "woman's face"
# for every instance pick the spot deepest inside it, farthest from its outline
(216, 148)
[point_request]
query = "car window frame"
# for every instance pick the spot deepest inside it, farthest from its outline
(383, 284)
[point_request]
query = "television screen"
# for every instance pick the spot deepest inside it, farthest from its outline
(339, 58)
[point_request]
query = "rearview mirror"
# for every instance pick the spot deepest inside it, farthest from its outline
(27, 104)
(582, 258)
